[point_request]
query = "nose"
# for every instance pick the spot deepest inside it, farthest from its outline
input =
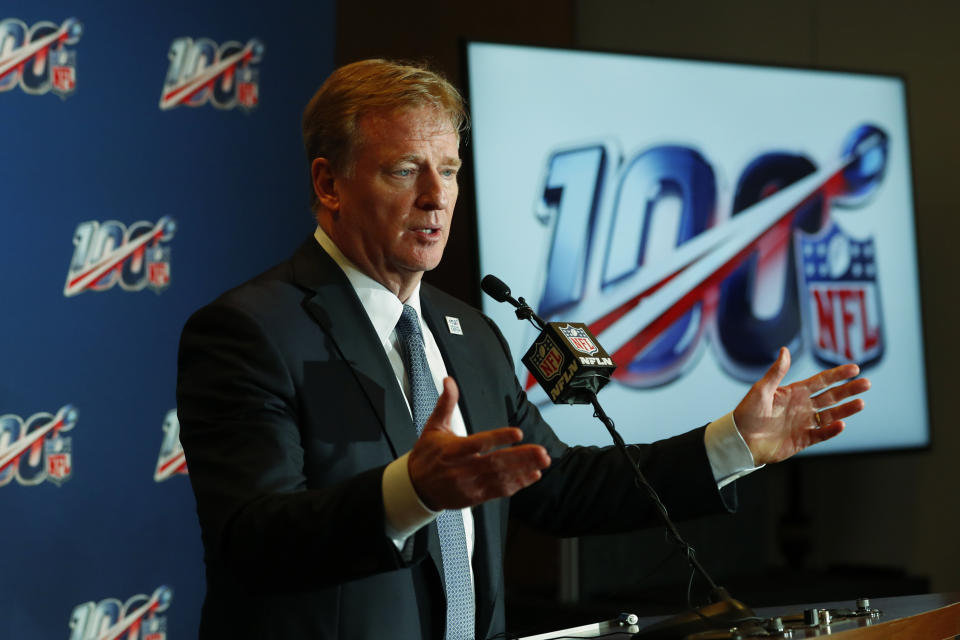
(433, 192)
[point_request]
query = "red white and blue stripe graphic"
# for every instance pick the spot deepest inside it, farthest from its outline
(33, 441)
(79, 281)
(654, 297)
(182, 92)
(69, 31)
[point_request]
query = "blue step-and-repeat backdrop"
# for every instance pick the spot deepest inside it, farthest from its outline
(150, 158)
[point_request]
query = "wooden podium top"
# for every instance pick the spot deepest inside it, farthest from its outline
(919, 617)
(932, 616)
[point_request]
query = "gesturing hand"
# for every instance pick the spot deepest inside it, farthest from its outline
(453, 472)
(777, 422)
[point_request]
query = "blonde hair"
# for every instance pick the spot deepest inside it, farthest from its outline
(330, 119)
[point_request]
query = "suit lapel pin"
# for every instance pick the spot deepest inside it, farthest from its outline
(453, 324)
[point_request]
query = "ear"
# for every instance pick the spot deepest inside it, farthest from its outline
(324, 184)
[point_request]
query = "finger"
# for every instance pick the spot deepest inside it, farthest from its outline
(775, 374)
(842, 411)
(506, 480)
(440, 419)
(826, 432)
(840, 393)
(476, 479)
(506, 466)
(830, 377)
(485, 441)
(500, 488)
(519, 459)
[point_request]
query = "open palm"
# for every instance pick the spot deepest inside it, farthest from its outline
(777, 422)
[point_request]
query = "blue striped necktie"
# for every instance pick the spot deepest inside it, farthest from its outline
(453, 541)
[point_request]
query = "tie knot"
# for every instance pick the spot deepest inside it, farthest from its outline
(423, 391)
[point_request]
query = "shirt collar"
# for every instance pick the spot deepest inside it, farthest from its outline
(382, 306)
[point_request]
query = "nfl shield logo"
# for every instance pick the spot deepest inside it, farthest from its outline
(546, 357)
(248, 91)
(155, 628)
(840, 296)
(63, 72)
(158, 268)
(579, 339)
(59, 459)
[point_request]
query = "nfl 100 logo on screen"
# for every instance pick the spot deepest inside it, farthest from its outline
(665, 273)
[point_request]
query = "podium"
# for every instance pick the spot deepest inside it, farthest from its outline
(920, 617)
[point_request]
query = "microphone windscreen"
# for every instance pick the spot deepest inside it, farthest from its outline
(495, 287)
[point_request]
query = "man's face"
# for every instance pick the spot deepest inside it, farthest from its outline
(396, 205)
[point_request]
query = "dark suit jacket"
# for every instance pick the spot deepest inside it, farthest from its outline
(289, 413)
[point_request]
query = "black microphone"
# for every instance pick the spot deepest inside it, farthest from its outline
(499, 291)
(495, 288)
(565, 359)
(560, 348)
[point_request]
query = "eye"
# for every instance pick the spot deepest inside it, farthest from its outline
(448, 173)
(403, 173)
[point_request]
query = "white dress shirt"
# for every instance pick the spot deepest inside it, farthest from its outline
(729, 456)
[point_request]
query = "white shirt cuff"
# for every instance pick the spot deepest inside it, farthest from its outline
(405, 513)
(729, 455)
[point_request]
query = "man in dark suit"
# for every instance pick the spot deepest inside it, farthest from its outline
(338, 495)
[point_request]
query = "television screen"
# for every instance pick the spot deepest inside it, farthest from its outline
(697, 216)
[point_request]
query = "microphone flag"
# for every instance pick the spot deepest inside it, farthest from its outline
(569, 363)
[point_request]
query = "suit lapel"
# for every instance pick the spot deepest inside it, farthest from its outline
(335, 306)
(458, 352)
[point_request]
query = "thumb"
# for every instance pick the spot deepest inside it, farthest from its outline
(775, 374)
(440, 419)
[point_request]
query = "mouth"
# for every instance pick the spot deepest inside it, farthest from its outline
(427, 232)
